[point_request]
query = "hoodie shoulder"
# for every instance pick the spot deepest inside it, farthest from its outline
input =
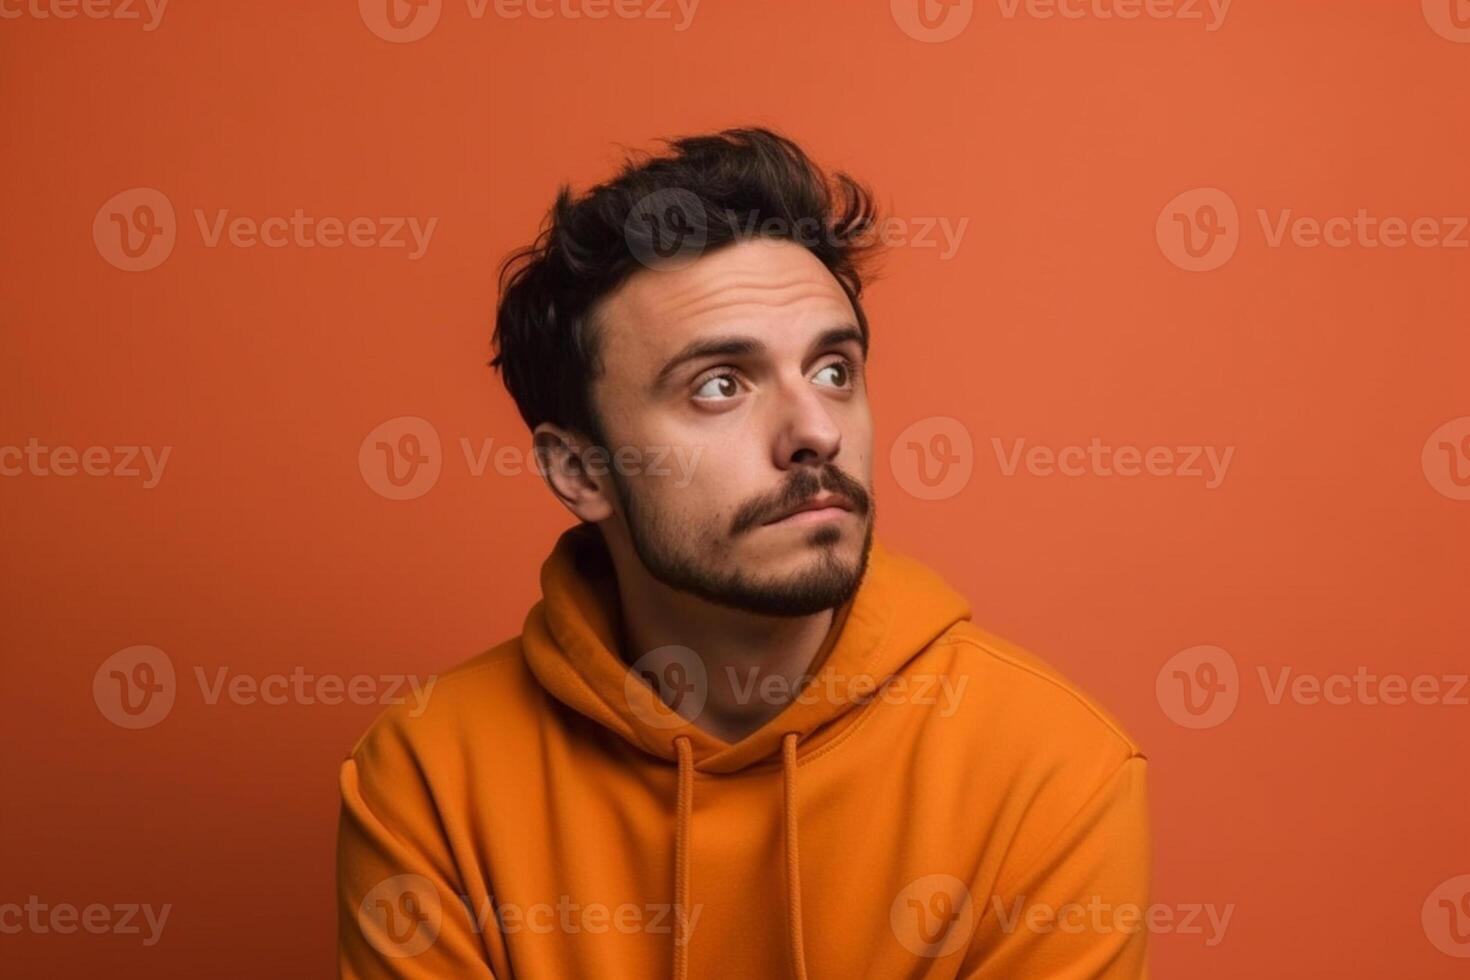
(1034, 702)
(436, 714)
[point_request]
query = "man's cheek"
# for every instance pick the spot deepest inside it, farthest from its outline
(687, 459)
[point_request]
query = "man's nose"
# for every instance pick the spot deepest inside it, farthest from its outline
(807, 433)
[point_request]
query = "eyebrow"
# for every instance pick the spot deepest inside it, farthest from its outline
(747, 346)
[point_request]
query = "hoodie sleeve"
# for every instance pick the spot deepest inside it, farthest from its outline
(1078, 911)
(399, 908)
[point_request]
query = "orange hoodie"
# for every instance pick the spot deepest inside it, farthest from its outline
(938, 803)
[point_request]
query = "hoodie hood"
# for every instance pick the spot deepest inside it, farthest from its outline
(570, 641)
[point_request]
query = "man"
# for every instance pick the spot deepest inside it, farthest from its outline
(738, 737)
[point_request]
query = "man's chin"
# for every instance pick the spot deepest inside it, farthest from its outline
(821, 571)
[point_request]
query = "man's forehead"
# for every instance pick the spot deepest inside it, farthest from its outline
(746, 287)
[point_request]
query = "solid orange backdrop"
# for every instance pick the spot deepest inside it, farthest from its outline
(1053, 147)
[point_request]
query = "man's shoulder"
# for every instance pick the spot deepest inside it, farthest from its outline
(474, 698)
(1011, 694)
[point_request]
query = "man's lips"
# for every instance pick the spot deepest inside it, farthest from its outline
(821, 507)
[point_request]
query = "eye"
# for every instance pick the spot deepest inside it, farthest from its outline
(840, 373)
(718, 387)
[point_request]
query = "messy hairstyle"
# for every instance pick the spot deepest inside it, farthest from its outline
(704, 193)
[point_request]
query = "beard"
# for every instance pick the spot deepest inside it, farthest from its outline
(672, 556)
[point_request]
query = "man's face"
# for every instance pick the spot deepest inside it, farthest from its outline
(749, 363)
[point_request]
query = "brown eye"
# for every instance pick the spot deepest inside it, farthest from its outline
(841, 373)
(718, 387)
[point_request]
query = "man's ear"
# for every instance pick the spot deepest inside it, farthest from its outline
(575, 470)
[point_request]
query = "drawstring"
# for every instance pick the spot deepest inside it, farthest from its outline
(685, 809)
(793, 857)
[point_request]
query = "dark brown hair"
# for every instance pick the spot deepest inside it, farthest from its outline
(703, 194)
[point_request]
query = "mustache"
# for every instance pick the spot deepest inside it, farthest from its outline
(804, 484)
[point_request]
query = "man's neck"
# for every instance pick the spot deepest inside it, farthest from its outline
(754, 664)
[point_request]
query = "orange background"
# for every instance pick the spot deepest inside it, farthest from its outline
(1060, 318)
